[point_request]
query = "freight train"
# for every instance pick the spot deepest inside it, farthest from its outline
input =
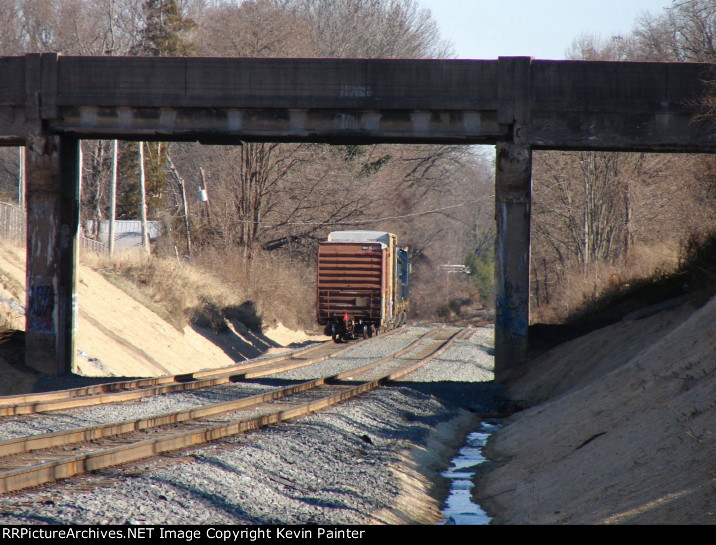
(362, 284)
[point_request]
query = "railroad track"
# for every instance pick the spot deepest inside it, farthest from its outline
(36, 460)
(117, 392)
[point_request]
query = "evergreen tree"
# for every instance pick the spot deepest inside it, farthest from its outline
(164, 35)
(165, 30)
(155, 160)
(482, 271)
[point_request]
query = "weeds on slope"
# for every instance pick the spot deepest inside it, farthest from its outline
(694, 277)
(213, 288)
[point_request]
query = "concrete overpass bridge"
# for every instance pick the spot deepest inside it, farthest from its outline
(49, 102)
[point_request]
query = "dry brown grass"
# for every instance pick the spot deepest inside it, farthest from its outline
(214, 286)
(281, 290)
(170, 288)
(582, 288)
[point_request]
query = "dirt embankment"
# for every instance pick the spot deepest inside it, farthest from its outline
(120, 337)
(620, 428)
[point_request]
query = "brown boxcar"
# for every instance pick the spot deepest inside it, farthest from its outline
(362, 282)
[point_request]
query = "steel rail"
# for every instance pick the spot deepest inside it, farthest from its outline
(146, 382)
(18, 479)
(233, 375)
(49, 401)
(49, 440)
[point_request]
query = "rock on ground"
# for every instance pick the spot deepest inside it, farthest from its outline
(376, 459)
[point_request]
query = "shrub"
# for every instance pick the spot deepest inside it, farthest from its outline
(482, 272)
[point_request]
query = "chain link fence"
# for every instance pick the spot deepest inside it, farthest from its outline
(13, 221)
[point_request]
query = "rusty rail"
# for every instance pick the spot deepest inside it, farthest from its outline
(109, 387)
(17, 479)
(49, 440)
(86, 397)
(117, 392)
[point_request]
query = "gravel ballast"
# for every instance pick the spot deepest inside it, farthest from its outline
(356, 463)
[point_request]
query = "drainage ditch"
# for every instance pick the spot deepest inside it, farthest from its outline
(459, 508)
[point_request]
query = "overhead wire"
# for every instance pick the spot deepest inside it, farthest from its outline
(372, 220)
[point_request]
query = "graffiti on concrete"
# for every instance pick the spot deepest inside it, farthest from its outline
(42, 304)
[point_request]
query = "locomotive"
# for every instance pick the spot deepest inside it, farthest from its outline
(362, 284)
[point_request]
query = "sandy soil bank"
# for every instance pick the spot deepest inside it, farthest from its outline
(119, 337)
(620, 428)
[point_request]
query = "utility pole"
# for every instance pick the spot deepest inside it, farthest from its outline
(204, 195)
(113, 198)
(452, 269)
(143, 200)
(21, 177)
(185, 205)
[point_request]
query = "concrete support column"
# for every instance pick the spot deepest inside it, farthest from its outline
(513, 187)
(52, 166)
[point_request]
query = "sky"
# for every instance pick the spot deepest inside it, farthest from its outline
(543, 29)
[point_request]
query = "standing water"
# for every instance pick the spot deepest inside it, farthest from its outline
(459, 508)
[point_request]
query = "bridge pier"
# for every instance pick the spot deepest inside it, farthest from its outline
(52, 166)
(513, 188)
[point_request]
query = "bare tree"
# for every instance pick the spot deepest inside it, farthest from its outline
(71, 27)
(371, 28)
(594, 209)
(290, 195)
(255, 28)
(684, 32)
(74, 27)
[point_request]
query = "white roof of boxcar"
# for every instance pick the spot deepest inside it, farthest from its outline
(359, 236)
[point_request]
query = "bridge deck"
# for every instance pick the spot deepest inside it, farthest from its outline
(48, 102)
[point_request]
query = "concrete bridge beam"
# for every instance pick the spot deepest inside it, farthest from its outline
(48, 101)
